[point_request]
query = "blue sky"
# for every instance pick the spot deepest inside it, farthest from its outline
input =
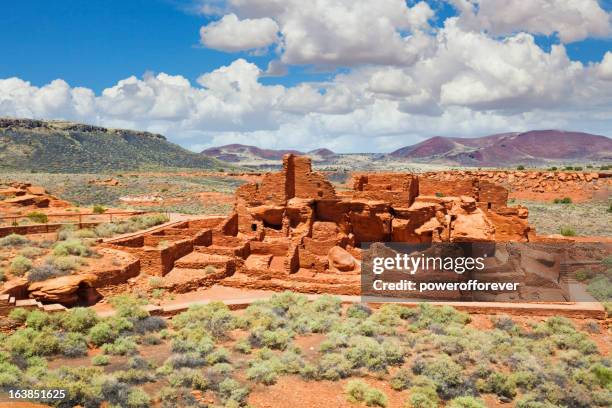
(93, 43)
(337, 97)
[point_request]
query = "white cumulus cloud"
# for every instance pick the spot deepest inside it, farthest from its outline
(572, 20)
(232, 34)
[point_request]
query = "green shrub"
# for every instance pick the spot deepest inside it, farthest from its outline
(498, 383)
(38, 320)
(19, 315)
(358, 311)
(100, 360)
(401, 380)
(44, 272)
(332, 366)
(603, 374)
(98, 209)
(137, 398)
(564, 200)
(37, 216)
(423, 397)
(30, 252)
(65, 263)
(601, 288)
(129, 307)
(214, 317)
(243, 346)
(79, 319)
(73, 345)
(72, 246)
(20, 265)
(568, 232)
(443, 371)
(583, 274)
(231, 390)
(265, 372)
(13, 240)
(466, 402)
(120, 347)
(520, 167)
(358, 391)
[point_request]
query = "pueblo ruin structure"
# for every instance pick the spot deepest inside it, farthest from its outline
(294, 231)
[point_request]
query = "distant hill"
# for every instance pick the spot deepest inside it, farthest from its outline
(56, 146)
(533, 147)
(239, 153)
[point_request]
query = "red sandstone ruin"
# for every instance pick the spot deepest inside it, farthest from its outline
(293, 231)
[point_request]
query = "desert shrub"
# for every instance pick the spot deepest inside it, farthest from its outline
(601, 288)
(466, 402)
(2, 275)
(71, 246)
(564, 200)
(132, 224)
(66, 232)
(214, 317)
(444, 316)
(520, 167)
(156, 282)
(243, 346)
(37, 216)
(603, 374)
(135, 376)
(423, 396)
(444, 372)
(567, 231)
(498, 383)
(79, 319)
(264, 371)
(150, 324)
(503, 323)
(44, 272)
(129, 307)
(188, 377)
(220, 355)
(438, 194)
(358, 311)
(120, 347)
(38, 320)
(30, 252)
(332, 366)
(20, 265)
(592, 326)
(367, 352)
(65, 263)
(138, 398)
(13, 240)
(73, 345)
(171, 397)
(190, 360)
(401, 380)
(102, 333)
(231, 390)
(583, 274)
(358, 391)
(19, 315)
(98, 209)
(100, 360)
(275, 339)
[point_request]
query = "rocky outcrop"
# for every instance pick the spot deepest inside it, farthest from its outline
(66, 290)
